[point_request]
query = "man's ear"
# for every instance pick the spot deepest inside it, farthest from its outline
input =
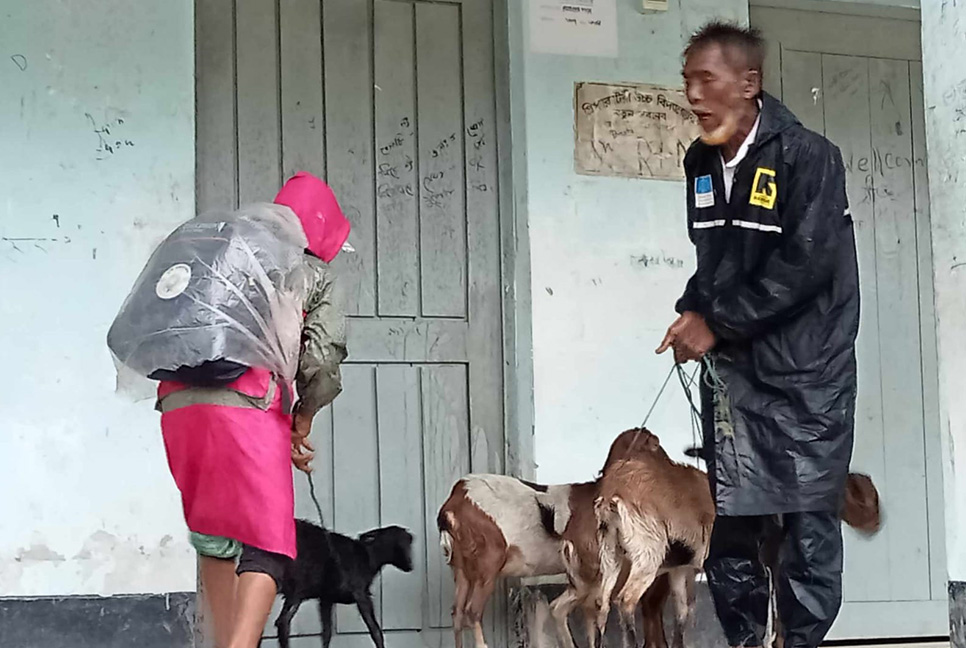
(750, 84)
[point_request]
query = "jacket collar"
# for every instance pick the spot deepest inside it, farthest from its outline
(775, 118)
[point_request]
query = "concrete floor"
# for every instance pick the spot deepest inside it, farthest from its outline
(536, 628)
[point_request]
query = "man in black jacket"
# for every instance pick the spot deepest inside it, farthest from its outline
(772, 311)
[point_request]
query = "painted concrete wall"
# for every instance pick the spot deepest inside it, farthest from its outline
(609, 256)
(908, 4)
(96, 166)
(945, 99)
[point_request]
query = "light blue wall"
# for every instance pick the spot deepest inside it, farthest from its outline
(608, 256)
(88, 505)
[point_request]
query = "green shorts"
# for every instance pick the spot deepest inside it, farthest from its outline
(215, 546)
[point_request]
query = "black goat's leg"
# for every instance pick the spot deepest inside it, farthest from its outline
(284, 621)
(364, 603)
(325, 616)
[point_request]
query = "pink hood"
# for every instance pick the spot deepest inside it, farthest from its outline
(326, 228)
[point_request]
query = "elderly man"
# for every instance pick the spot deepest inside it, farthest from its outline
(772, 311)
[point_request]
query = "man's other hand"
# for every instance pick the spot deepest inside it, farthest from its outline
(690, 337)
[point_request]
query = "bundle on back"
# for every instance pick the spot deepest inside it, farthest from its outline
(225, 287)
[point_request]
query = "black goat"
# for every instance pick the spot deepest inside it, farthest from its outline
(347, 579)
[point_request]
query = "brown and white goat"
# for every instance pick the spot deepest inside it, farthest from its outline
(494, 526)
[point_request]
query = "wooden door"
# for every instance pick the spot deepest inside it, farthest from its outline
(858, 80)
(392, 102)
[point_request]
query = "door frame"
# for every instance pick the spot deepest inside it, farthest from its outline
(514, 246)
(515, 297)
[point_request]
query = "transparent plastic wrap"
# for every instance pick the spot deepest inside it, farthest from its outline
(223, 286)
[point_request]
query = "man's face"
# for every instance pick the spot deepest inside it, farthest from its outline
(717, 92)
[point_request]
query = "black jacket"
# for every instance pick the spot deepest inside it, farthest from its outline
(777, 282)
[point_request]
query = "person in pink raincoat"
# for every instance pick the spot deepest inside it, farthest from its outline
(230, 448)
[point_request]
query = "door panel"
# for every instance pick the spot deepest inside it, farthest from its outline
(393, 102)
(864, 92)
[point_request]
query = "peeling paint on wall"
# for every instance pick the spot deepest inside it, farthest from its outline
(38, 553)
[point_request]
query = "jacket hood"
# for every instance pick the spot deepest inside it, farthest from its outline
(775, 118)
(323, 222)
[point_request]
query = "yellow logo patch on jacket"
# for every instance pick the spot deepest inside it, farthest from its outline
(764, 191)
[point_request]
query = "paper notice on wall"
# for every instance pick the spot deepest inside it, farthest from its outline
(632, 131)
(574, 27)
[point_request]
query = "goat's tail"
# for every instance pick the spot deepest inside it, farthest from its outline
(609, 517)
(446, 523)
(860, 507)
(568, 553)
(548, 519)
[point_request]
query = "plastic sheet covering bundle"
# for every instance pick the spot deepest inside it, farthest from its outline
(224, 285)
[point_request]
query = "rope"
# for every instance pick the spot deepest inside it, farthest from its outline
(643, 424)
(712, 379)
(325, 532)
(686, 386)
(695, 413)
(658, 397)
(716, 385)
(315, 500)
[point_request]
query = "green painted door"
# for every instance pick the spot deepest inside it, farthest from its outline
(394, 103)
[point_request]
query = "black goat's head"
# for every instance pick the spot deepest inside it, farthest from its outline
(392, 545)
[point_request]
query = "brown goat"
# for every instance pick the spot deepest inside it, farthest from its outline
(581, 553)
(581, 557)
(582, 564)
(655, 517)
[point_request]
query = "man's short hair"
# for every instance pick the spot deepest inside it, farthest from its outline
(743, 47)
